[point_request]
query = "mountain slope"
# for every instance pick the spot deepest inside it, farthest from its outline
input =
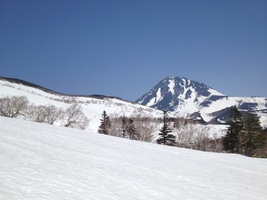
(39, 161)
(35, 86)
(187, 98)
(92, 105)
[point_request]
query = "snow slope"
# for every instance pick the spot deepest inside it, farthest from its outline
(39, 162)
(92, 107)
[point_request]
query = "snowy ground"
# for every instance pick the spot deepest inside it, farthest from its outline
(40, 162)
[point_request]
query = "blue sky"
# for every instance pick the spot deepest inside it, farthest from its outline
(125, 47)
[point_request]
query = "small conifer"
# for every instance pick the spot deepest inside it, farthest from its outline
(105, 125)
(165, 137)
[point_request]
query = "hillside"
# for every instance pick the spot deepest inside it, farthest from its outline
(39, 162)
(92, 105)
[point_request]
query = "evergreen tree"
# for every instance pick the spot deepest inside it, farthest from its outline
(124, 127)
(231, 141)
(165, 137)
(129, 130)
(253, 137)
(261, 150)
(105, 125)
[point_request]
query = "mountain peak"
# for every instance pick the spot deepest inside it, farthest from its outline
(187, 98)
(171, 92)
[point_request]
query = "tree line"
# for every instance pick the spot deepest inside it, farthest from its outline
(244, 134)
(178, 132)
(19, 106)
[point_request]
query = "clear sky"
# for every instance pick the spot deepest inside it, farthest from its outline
(125, 47)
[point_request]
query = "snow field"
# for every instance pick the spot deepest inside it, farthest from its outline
(39, 161)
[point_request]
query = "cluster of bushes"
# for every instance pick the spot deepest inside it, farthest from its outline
(135, 128)
(190, 134)
(19, 106)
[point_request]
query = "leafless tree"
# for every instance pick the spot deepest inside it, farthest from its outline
(75, 118)
(44, 114)
(36, 113)
(146, 127)
(195, 136)
(116, 125)
(202, 138)
(13, 106)
(53, 114)
(184, 132)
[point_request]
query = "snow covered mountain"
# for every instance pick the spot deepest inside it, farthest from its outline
(41, 162)
(179, 95)
(187, 98)
(92, 105)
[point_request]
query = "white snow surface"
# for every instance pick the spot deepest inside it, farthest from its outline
(44, 162)
(187, 106)
(155, 99)
(171, 86)
(215, 92)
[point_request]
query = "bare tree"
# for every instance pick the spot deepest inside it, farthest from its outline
(195, 136)
(201, 138)
(53, 114)
(146, 126)
(13, 106)
(44, 114)
(184, 131)
(75, 118)
(36, 113)
(116, 127)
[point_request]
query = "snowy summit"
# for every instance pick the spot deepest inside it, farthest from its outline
(187, 98)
